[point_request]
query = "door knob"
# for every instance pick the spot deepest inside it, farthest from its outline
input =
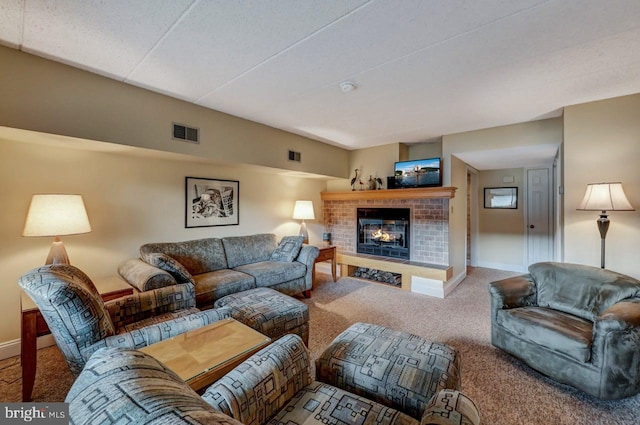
(531, 226)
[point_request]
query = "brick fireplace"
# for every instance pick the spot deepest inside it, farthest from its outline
(429, 217)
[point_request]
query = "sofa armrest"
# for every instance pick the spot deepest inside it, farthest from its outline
(450, 407)
(622, 316)
(133, 308)
(144, 276)
(616, 346)
(307, 256)
(153, 393)
(157, 332)
(513, 292)
(262, 385)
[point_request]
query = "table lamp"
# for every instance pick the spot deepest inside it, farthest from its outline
(303, 210)
(56, 215)
(604, 197)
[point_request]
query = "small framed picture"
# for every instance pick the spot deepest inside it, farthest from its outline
(501, 197)
(211, 202)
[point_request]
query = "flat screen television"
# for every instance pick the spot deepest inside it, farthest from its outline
(418, 173)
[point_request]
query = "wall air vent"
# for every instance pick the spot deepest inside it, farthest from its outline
(295, 156)
(185, 133)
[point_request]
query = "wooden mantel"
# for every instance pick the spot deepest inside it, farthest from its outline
(413, 193)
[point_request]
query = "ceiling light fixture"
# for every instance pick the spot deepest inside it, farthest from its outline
(346, 86)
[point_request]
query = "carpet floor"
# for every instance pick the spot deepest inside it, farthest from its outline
(506, 391)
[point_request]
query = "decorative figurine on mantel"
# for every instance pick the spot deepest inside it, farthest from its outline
(354, 180)
(372, 183)
(379, 182)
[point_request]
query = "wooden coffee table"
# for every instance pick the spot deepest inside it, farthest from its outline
(202, 356)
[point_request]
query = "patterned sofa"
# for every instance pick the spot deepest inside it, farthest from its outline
(577, 324)
(274, 386)
(219, 267)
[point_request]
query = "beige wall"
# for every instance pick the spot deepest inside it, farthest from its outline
(458, 218)
(501, 238)
(602, 143)
(131, 199)
(535, 133)
(45, 96)
(425, 150)
(376, 162)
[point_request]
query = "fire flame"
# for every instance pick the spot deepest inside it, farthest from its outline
(384, 237)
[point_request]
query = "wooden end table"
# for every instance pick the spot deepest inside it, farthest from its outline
(326, 253)
(202, 356)
(33, 326)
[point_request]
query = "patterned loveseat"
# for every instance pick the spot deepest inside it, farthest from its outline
(274, 386)
(219, 267)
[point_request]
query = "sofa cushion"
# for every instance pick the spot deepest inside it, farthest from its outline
(288, 249)
(581, 290)
(269, 273)
(168, 264)
(197, 256)
(561, 332)
(241, 250)
(215, 285)
(319, 403)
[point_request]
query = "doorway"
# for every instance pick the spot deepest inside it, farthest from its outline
(539, 219)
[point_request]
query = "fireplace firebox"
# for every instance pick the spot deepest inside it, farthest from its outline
(384, 232)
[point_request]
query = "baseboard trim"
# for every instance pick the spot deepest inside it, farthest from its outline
(12, 348)
(426, 286)
(518, 268)
(453, 283)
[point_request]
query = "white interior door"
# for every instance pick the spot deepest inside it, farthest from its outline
(539, 216)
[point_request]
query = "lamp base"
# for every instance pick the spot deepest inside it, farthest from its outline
(603, 226)
(304, 233)
(57, 253)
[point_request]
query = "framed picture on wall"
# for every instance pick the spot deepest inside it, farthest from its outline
(501, 197)
(211, 202)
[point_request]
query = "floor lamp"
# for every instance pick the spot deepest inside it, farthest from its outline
(604, 197)
(303, 210)
(56, 215)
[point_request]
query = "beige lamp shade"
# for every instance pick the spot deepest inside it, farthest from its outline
(605, 197)
(56, 215)
(303, 210)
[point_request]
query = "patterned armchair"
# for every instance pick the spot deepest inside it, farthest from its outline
(81, 322)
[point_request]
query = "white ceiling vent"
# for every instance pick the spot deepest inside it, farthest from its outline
(295, 156)
(185, 133)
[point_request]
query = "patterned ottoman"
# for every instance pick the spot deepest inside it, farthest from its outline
(269, 312)
(396, 369)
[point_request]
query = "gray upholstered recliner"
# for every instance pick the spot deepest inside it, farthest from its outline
(579, 325)
(81, 322)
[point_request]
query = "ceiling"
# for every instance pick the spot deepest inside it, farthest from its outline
(422, 68)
